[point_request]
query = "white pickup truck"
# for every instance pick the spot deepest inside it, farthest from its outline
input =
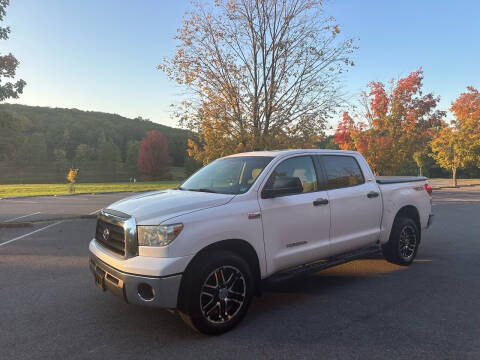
(204, 247)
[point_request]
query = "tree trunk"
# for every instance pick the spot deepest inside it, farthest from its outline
(420, 171)
(454, 176)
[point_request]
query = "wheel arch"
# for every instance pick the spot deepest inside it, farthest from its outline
(237, 246)
(411, 212)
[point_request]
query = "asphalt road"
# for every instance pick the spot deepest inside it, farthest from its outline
(367, 309)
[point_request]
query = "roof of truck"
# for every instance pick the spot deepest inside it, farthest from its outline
(275, 153)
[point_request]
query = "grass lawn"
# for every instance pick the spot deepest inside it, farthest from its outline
(60, 189)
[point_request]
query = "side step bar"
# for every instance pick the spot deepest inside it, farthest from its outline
(324, 264)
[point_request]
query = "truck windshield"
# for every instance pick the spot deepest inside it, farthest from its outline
(227, 176)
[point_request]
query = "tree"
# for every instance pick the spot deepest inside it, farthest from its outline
(328, 142)
(394, 124)
(153, 157)
(467, 113)
(60, 156)
(108, 152)
(34, 150)
(191, 166)
(133, 147)
(8, 64)
(260, 74)
(72, 179)
(458, 146)
(446, 150)
(84, 154)
(12, 135)
(421, 159)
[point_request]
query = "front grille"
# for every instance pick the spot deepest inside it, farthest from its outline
(115, 241)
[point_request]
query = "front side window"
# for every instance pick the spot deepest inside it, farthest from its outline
(301, 167)
(227, 176)
(342, 171)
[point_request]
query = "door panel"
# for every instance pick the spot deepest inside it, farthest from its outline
(296, 230)
(355, 216)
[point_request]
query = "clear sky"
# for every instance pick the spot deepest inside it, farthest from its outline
(102, 54)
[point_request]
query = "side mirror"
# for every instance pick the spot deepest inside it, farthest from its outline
(283, 185)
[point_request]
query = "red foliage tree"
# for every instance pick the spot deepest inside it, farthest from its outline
(153, 156)
(345, 132)
(395, 123)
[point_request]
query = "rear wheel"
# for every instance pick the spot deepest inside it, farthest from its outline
(403, 244)
(219, 291)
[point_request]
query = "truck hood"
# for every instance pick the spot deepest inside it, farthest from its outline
(153, 208)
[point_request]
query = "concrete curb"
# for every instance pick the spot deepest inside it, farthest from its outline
(21, 224)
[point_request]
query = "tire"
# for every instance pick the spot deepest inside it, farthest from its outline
(404, 241)
(218, 291)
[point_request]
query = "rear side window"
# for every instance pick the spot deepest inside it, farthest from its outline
(342, 171)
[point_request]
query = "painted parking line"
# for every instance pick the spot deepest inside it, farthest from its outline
(21, 217)
(30, 233)
(96, 211)
(70, 198)
(20, 201)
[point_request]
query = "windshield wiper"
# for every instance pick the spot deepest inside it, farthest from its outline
(201, 190)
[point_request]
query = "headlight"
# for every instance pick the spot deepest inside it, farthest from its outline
(160, 235)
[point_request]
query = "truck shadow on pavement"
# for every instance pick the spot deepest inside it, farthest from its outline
(342, 292)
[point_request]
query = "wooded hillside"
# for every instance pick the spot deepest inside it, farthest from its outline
(38, 144)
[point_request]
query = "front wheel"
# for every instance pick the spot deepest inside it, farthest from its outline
(403, 244)
(220, 290)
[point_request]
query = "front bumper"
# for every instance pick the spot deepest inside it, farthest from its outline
(128, 286)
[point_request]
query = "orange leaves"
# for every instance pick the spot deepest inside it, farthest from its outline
(345, 133)
(467, 108)
(407, 87)
(72, 175)
(467, 112)
(401, 122)
(378, 101)
(258, 74)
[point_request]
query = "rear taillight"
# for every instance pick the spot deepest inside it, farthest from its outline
(428, 189)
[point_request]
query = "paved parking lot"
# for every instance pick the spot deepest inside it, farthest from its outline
(367, 309)
(48, 207)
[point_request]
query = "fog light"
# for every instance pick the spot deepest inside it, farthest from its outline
(145, 292)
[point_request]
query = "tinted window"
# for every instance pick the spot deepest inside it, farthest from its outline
(342, 171)
(301, 167)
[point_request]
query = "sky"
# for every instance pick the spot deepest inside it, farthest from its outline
(102, 55)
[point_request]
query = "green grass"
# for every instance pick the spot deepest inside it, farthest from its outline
(61, 189)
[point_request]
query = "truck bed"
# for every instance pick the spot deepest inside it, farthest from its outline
(398, 179)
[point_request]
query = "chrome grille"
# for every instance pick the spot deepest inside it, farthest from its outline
(111, 236)
(117, 232)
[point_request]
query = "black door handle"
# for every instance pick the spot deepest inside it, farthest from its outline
(372, 194)
(320, 202)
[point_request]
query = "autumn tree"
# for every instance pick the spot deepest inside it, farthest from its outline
(153, 157)
(466, 109)
(458, 146)
(421, 159)
(395, 123)
(446, 150)
(8, 64)
(259, 74)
